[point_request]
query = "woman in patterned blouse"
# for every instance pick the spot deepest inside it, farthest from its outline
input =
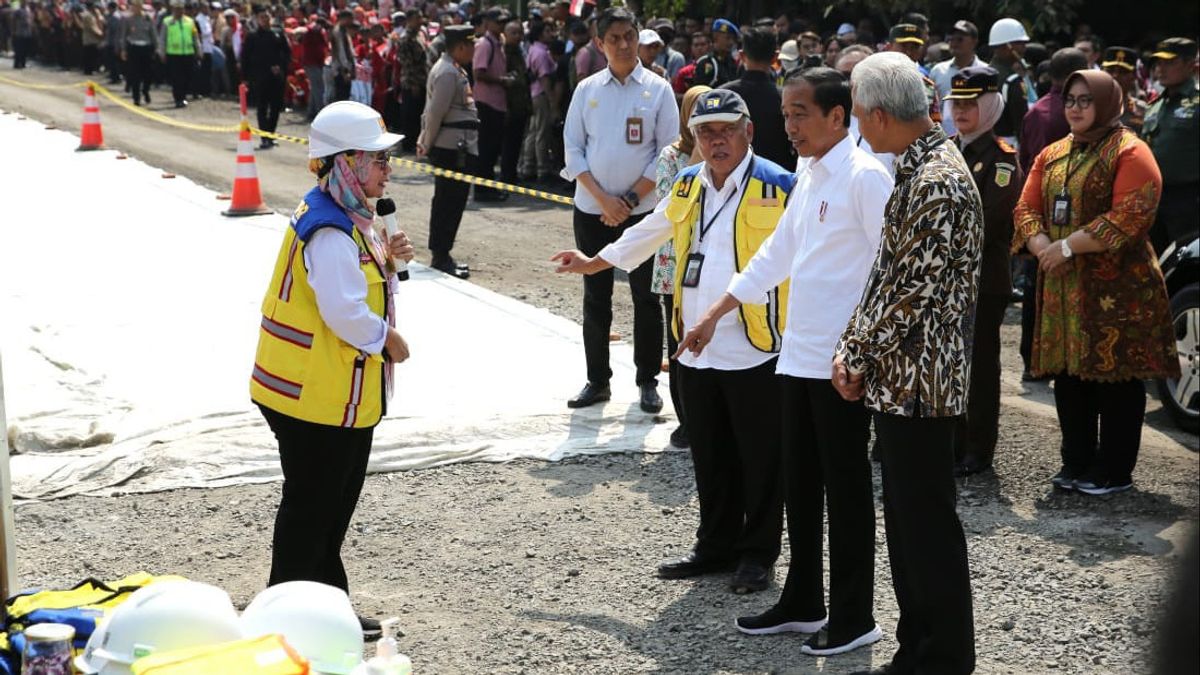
(1103, 324)
(673, 159)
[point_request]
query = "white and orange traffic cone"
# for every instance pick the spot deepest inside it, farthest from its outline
(91, 136)
(247, 194)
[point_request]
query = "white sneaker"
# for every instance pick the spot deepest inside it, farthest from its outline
(819, 644)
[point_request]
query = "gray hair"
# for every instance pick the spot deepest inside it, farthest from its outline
(890, 81)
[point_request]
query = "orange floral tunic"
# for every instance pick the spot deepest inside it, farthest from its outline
(1102, 316)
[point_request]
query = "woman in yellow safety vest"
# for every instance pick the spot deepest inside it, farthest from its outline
(322, 372)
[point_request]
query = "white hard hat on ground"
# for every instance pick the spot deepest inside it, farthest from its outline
(1005, 31)
(316, 620)
(348, 125)
(162, 616)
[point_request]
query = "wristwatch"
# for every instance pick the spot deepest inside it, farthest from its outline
(1066, 250)
(631, 198)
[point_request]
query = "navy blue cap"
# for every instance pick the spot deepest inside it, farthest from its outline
(726, 26)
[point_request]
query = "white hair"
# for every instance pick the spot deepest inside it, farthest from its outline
(890, 81)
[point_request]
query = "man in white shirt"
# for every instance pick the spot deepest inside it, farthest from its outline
(718, 213)
(963, 39)
(619, 121)
(825, 243)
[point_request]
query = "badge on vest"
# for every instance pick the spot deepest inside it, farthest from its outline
(685, 187)
(633, 130)
(691, 273)
(1004, 174)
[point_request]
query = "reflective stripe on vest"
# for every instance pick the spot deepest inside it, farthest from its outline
(356, 386)
(277, 384)
(287, 333)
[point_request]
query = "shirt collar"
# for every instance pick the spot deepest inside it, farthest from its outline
(637, 74)
(735, 178)
(836, 156)
(914, 154)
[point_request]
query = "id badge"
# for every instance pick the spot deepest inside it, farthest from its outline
(1061, 215)
(633, 130)
(691, 273)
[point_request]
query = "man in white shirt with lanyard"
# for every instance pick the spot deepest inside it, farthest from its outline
(619, 120)
(718, 213)
(825, 243)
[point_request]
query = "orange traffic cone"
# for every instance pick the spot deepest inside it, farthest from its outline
(247, 195)
(91, 136)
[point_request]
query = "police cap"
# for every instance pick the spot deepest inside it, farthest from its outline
(906, 32)
(456, 35)
(1176, 47)
(971, 83)
(1120, 57)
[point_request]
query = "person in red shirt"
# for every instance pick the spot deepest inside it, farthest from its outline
(314, 53)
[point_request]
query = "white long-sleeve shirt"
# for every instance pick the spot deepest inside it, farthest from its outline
(595, 133)
(729, 349)
(334, 273)
(825, 242)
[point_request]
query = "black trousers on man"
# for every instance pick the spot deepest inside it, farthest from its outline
(825, 460)
(449, 199)
(510, 151)
(978, 430)
(268, 93)
(179, 70)
(491, 142)
(138, 70)
(1101, 426)
(734, 431)
(22, 48)
(926, 547)
(591, 235)
(323, 472)
(91, 59)
(412, 106)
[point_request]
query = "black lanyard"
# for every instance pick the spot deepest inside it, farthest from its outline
(704, 228)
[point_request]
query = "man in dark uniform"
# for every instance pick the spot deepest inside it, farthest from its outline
(757, 88)
(450, 137)
(718, 67)
(265, 59)
(997, 173)
(1121, 63)
(1171, 129)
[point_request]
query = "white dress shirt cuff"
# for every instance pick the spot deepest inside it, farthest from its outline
(746, 290)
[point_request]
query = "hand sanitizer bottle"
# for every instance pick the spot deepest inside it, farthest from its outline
(388, 660)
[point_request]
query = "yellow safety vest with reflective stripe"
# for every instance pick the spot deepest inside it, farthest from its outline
(179, 36)
(302, 369)
(758, 212)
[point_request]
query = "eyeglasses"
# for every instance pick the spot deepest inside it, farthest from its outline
(381, 159)
(1083, 102)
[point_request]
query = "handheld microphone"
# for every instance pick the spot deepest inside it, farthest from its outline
(386, 209)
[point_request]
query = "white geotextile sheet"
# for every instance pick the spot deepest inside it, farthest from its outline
(129, 314)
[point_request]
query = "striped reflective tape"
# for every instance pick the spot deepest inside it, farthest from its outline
(276, 384)
(356, 383)
(91, 118)
(285, 286)
(288, 333)
(245, 170)
(245, 148)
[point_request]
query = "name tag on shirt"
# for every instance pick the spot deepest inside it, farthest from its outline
(691, 273)
(633, 130)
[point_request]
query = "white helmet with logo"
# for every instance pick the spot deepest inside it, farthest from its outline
(1005, 31)
(162, 616)
(316, 620)
(348, 125)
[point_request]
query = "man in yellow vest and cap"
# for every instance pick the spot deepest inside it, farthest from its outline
(179, 48)
(720, 211)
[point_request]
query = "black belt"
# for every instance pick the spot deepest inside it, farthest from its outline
(470, 125)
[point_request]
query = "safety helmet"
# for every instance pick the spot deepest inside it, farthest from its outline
(161, 616)
(316, 620)
(1005, 31)
(348, 125)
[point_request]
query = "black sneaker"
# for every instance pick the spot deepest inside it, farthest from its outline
(775, 621)
(1096, 486)
(1063, 480)
(822, 645)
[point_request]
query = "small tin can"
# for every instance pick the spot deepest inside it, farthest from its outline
(47, 649)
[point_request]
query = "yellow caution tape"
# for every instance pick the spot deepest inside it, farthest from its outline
(231, 128)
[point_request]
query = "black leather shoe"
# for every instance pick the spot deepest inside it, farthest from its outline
(591, 394)
(651, 402)
(370, 627)
(693, 565)
(751, 577)
(447, 265)
(970, 466)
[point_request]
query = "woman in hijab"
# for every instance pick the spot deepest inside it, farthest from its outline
(1103, 324)
(673, 159)
(323, 370)
(975, 104)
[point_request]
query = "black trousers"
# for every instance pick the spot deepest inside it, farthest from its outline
(926, 547)
(510, 152)
(140, 60)
(112, 64)
(733, 427)
(449, 200)
(1177, 217)
(179, 69)
(323, 472)
(591, 235)
(825, 461)
(22, 48)
(412, 107)
(978, 430)
(341, 87)
(268, 94)
(668, 303)
(491, 142)
(91, 59)
(1101, 426)
(1028, 308)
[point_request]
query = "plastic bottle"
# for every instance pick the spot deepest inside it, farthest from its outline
(388, 660)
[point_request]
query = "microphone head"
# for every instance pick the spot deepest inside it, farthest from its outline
(385, 207)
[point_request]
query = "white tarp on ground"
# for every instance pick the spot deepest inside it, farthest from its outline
(128, 321)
